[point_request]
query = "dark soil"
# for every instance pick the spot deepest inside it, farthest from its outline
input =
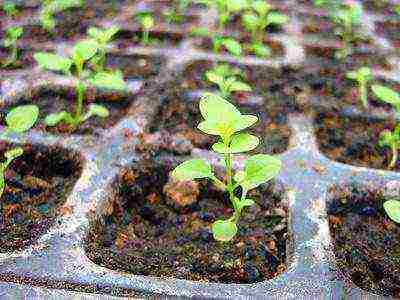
(37, 185)
(143, 234)
(128, 38)
(352, 140)
(366, 241)
(389, 29)
(25, 58)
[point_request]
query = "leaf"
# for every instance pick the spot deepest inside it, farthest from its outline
(13, 153)
(192, 169)
(2, 183)
(232, 46)
(392, 208)
(238, 86)
(94, 32)
(200, 32)
(260, 50)
(239, 176)
(84, 50)
(224, 230)
(386, 94)
(236, 5)
(277, 18)
(53, 62)
(14, 32)
(386, 138)
(242, 142)
(214, 77)
(352, 75)
(22, 118)
(259, 169)
(245, 121)
(245, 202)
(53, 119)
(98, 110)
(112, 81)
(250, 21)
(215, 107)
(261, 7)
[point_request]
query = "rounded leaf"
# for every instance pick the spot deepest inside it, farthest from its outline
(392, 208)
(22, 118)
(85, 49)
(98, 110)
(54, 119)
(277, 18)
(215, 107)
(192, 169)
(232, 46)
(224, 230)
(260, 50)
(386, 94)
(112, 81)
(241, 142)
(238, 86)
(52, 62)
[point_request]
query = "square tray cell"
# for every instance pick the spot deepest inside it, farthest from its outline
(156, 227)
(37, 185)
(366, 241)
(353, 140)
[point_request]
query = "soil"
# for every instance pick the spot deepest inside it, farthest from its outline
(25, 58)
(353, 140)
(37, 185)
(141, 227)
(126, 38)
(390, 29)
(366, 241)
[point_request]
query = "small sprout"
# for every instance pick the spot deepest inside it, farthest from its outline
(392, 208)
(10, 155)
(103, 38)
(228, 80)
(74, 65)
(176, 14)
(223, 119)
(146, 20)
(10, 9)
(51, 7)
(20, 119)
(12, 35)
(257, 20)
(363, 76)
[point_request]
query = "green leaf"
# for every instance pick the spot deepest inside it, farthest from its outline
(260, 50)
(245, 202)
(386, 94)
(259, 169)
(214, 77)
(13, 153)
(386, 138)
(200, 32)
(245, 121)
(53, 119)
(238, 86)
(224, 230)
(22, 118)
(232, 46)
(277, 18)
(98, 110)
(53, 62)
(250, 21)
(242, 142)
(85, 50)
(2, 183)
(215, 107)
(112, 81)
(239, 176)
(261, 7)
(14, 32)
(392, 208)
(236, 5)
(192, 169)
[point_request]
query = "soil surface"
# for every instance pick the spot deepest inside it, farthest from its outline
(143, 233)
(366, 241)
(37, 185)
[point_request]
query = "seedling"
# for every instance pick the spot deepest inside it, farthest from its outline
(392, 208)
(51, 7)
(20, 119)
(146, 20)
(176, 14)
(10, 155)
(12, 35)
(102, 37)
(228, 80)
(257, 20)
(223, 119)
(74, 65)
(10, 9)
(363, 76)
(397, 9)
(390, 138)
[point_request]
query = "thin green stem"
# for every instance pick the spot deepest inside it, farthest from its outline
(145, 37)
(394, 156)
(364, 94)
(79, 108)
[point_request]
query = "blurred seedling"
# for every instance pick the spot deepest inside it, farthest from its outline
(363, 76)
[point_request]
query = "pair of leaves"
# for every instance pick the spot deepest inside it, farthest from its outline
(146, 19)
(227, 83)
(363, 74)
(230, 44)
(103, 36)
(12, 35)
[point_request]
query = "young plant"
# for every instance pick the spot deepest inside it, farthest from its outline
(228, 79)
(102, 37)
(12, 35)
(392, 208)
(389, 138)
(146, 20)
(10, 9)
(257, 20)
(51, 7)
(176, 14)
(223, 119)
(363, 76)
(74, 65)
(20, 119)
(10, 155)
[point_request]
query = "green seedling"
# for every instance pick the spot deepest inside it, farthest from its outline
(257, 20)
(363, 76)
(397, 9)
(20, 119)
(219, 41)
(12, 35)
(225, 8)
(74, 65)
(223, 119)
(146, 20)
(103, 37)
(51, 7)
(10, 155)
(389, 138)
(176, 14)
(10, 9)
(228, 79)
(392, 208)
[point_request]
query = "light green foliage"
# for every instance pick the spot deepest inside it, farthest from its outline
(51, 7)
(74, 65)
(146, 20)
(103, 37)
(20, 119)
(228, 79)
(256, 19)
(223, 119)
(12, 35)
(10, 9)
(389, 138)
(176, 13)
(397, 9)
(392, 208)
(10, 155)
(363, 76)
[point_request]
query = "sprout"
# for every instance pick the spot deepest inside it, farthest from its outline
(223, 119)
(10, 9)
(12, 35)
(146, 20)
(51, 7)
(363, 76)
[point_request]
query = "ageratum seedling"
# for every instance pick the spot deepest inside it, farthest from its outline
(75, 65)
(12, 35)
(223, 119)
(10, 9)
(51, 7)
(389, 138)
(146, 20)
(363, 76)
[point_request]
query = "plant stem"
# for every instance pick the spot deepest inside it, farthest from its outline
(79, 108)
(145, 37)
(394, 156)
(364, 94)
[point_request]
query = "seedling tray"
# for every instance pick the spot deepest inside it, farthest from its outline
(332, 181)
